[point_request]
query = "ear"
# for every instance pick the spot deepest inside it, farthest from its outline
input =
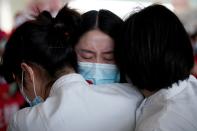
(28, 71)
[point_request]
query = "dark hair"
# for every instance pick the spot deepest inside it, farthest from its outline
(104, 20)
(45, 41)
(156, 50)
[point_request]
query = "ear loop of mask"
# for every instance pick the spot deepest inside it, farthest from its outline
(22, 90)
(34, 87)
(37, 99)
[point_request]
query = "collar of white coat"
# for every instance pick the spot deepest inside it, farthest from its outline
(66, 80)
(169, 92)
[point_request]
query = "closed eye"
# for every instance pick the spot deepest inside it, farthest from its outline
(108, 56)
(86, 54)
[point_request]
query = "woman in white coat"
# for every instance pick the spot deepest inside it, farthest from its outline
(158, 59)
(39, 57)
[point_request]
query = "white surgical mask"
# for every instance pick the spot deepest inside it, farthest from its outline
(37, 98)
(99, 73)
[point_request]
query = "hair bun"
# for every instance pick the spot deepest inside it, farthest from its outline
(45, 17)
(59, 27)
(67, 21)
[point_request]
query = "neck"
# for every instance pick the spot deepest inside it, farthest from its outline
(58, 74)
(64, 71)
(147, 93)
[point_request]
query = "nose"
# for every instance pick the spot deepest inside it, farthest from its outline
(100, 60)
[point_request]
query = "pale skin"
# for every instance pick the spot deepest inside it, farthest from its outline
(95, 47)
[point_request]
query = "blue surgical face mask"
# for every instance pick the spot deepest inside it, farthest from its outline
(36, 100)
(99, 73)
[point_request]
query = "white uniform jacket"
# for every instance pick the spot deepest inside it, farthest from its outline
(172, 109)
(74, 105)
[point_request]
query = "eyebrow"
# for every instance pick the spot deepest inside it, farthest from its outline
(92, 52)
(86, 51)
(108, 52)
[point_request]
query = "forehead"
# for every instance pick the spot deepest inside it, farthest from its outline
(96, 40)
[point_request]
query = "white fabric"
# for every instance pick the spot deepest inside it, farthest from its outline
(172, 109)
(74, 105)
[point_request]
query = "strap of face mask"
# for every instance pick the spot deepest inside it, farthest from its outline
(36, 100)
(22, 90)
(34, 87)
(33, 84)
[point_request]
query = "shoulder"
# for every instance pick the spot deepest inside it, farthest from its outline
(150, 122)
(124, 95)
(124, 89)
(193, 84)
(18, 120)
(163, 120)
(24, 119)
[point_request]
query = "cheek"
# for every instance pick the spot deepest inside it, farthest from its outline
(79, 57)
